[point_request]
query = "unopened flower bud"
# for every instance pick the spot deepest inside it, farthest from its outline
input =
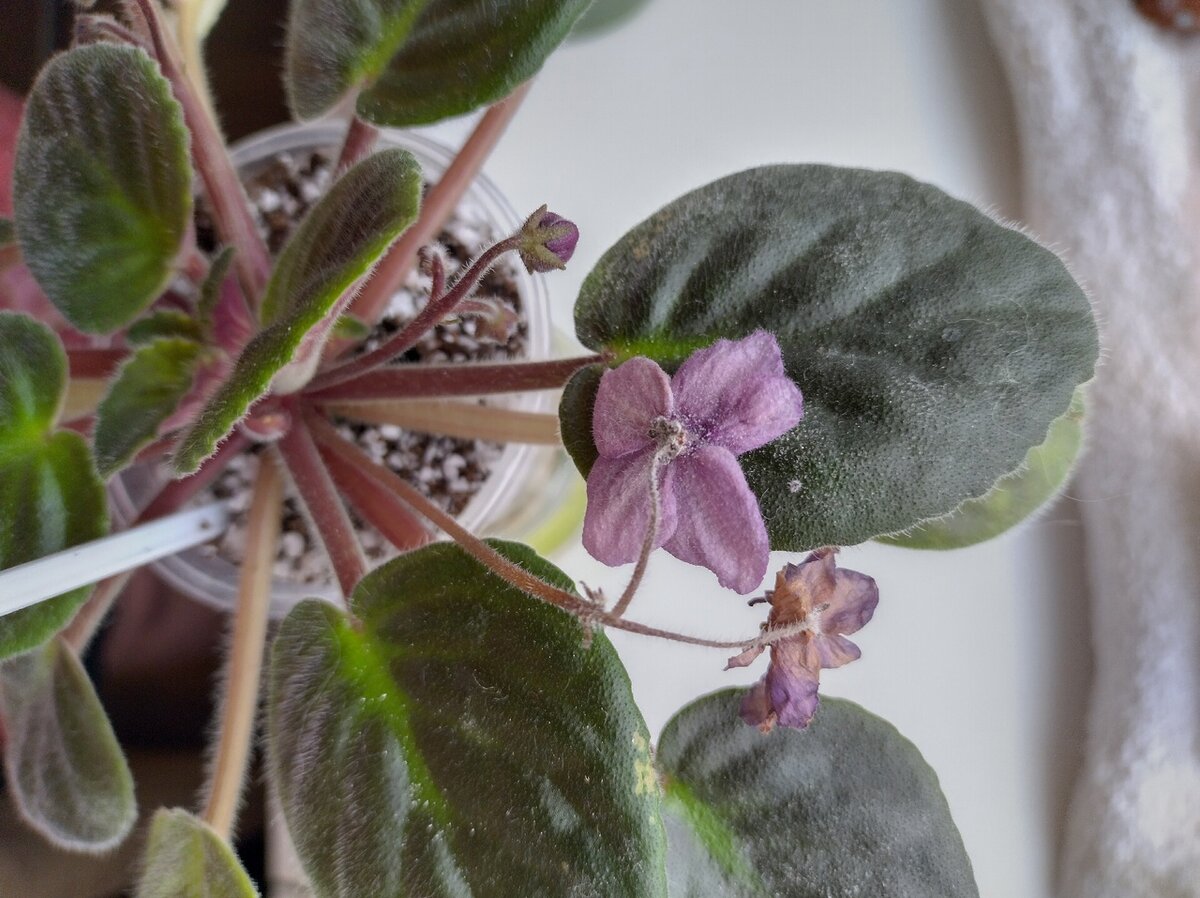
(547, 241)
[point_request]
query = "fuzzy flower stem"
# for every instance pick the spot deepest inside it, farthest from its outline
(357, 145)
(347, 460)
(320, 497)
(451, 418)
(639, 570)
(240, 706)
(436, 309)
(436, 381)
(230, 208)
(436, 208)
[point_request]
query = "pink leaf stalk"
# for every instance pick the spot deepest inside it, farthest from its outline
(686, 432)
(824, 603)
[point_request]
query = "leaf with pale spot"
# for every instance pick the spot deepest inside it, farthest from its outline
(458, 738)
(933, 345)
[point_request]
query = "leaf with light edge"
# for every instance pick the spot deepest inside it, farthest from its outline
(844, 809)
(414, 62)
(336, 244)
(185, 858)
(102, 184)
(63, 767)
(460, 740)
(933, 345)
(146, 392)
(50, 496)
(1013, 499)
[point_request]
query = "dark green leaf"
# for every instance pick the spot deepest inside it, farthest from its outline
(7, 234)
(335, 245)
(50, 496)
(418, 61)
(102, 186)
(933, 346)
(64, 769)
(460, 741)
(1011, 500)
(146, 392)
(164, 323)
(845, 809)
(185, 858)
(604, 15)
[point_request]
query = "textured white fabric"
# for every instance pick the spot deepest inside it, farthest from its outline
(1108, 108)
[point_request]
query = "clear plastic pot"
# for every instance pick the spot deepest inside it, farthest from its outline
(514, 478)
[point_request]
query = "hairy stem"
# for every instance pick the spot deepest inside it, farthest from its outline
(430, 381)
(359, 141)
(230, 208)
(349, 461)
(95, 363)
(439, 203)
(436, 309)
(456, 419)
(639, 569)
(320, 497)
(240, 706)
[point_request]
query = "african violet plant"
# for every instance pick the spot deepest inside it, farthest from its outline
(792, 358)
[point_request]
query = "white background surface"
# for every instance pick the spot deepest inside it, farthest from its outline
(978, 656)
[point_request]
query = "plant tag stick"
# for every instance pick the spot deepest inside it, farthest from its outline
(35, 581)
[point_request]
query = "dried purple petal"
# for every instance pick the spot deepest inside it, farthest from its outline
(822, 603)
(726, 399)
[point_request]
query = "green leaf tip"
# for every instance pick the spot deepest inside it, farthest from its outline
(63, 766)
(102, 184)
(933, 345)
(185, 858)
(845, 808)
(145, 393)
(50, 495)
(417, 61)
(459, 739)
(337, 244)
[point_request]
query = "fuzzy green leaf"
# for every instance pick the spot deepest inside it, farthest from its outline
(185, 858)
(417, 61)
(1012, 499)
(63, 767)
(164, 323)
(50, 496)
(460, 741)
(933, 346)
(145, 393)
(844, 809)
(210, 290)
(336, 244)
(102, 185)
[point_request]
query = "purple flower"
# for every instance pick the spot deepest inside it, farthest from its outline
(824, 602)
(686, 432)
(547, 241)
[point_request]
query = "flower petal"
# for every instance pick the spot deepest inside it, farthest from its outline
(787, 695)
(834, 651)
(719, 525)
(851, 604)
(736, 394)
(746, 657)
(628, 399)
(618, 508)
